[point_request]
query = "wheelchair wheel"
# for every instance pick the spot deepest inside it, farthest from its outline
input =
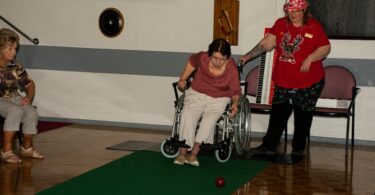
(242, 128)
(223, 155)
(168, 149)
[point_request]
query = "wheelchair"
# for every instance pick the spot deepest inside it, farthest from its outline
(229, 132)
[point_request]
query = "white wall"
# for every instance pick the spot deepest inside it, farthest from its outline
(104, 97)
(167, 25)
(163, 25)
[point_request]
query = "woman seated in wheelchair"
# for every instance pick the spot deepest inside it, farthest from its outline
(214, 86)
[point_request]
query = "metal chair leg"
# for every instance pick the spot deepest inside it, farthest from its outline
(286, 139)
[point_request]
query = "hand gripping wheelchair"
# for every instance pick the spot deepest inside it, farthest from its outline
(229, 132)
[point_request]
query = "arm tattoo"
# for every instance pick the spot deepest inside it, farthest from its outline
(256, 51)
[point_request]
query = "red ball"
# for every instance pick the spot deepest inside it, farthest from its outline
(220, 182)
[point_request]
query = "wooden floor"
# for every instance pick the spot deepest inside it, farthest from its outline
(73, 150)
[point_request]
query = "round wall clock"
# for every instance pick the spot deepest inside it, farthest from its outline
(111, 22)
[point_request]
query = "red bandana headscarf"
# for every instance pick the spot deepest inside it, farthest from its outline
(295, 5)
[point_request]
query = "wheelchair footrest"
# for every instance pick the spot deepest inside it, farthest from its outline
(176, 143)
(204, 146)
(221, 145)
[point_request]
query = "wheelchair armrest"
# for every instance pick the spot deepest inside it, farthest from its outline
(176, 89)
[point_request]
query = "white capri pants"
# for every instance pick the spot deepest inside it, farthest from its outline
(197, 105)
(15, 114)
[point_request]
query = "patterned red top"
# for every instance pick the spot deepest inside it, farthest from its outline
(12, 79)
(224, 85)
(294, 44)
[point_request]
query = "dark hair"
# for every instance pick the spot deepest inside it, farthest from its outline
(219, 45)
(306, 16)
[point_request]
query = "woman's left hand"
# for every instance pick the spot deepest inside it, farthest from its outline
(306, 65)
(25, 101)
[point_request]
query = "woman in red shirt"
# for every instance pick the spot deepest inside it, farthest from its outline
(301, 45)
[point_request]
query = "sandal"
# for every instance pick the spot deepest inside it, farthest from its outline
(31, 152)
(10, 157)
